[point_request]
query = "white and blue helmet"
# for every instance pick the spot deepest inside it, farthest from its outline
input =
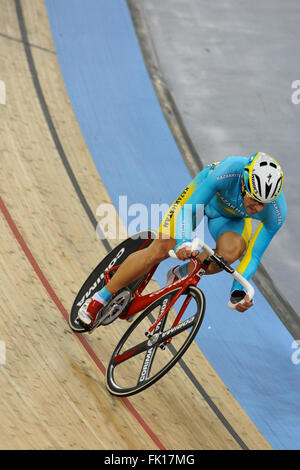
(263, 177)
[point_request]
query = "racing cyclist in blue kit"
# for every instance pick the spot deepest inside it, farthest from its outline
(233, 192)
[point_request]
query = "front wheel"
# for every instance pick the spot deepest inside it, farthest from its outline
(138, 362)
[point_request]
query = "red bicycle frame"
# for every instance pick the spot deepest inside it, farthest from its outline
(141, 302)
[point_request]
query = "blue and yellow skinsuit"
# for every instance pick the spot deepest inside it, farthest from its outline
(218, 188)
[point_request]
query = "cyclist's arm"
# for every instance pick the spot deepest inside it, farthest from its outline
(254, 252)
(200, 191)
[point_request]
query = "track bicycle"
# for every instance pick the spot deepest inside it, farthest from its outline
(168, 321)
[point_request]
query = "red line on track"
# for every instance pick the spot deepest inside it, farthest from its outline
(65, 314)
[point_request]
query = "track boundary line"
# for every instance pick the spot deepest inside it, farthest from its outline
(65, 314)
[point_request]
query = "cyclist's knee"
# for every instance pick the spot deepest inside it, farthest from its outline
(159, 250)
(231, 246)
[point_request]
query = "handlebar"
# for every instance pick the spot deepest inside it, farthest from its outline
(198, 243)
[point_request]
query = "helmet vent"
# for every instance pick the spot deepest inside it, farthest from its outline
(257, 181)
(278, 185)
(268, 189)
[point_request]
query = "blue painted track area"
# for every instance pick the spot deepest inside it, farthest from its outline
(136, 156)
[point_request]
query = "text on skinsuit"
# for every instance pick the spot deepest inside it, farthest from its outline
(173, 207)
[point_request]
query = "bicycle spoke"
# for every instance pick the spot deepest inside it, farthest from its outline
(176, 330)
(149, 357)
(136, 363)
(148, 361)
(138, 349)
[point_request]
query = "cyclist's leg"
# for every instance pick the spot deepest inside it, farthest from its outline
(135, 266)
(232, 237)
(139, 263)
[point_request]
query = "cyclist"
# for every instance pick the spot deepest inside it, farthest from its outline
(233, 192)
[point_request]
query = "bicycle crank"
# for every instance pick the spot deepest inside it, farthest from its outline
(114, 308)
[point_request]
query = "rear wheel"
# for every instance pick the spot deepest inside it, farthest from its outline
(96, 281)
(138, 361)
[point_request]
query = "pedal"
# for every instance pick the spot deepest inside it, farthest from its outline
(90, 329)
(80, 327)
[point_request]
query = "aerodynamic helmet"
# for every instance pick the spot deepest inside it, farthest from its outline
(263, 177)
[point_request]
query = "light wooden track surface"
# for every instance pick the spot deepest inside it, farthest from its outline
(53, 394)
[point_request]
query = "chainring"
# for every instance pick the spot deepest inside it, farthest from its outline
(114, 308)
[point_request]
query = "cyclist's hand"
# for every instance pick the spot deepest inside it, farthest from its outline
(237, 296)
(245, 305)
(184, 251)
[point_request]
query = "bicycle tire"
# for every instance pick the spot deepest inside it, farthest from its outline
(194, 323)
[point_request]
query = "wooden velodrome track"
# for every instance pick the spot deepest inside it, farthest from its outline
(53, 393)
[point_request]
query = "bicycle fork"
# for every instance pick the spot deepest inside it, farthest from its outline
(192, 279)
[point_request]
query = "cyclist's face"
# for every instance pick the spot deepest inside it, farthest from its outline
(251, 205)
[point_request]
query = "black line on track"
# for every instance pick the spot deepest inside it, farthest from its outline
(209, 401)
(67, 166)
(10, 38)
(50, 123)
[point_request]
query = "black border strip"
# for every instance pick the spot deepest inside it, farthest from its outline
(87, 208)
(262, 279)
